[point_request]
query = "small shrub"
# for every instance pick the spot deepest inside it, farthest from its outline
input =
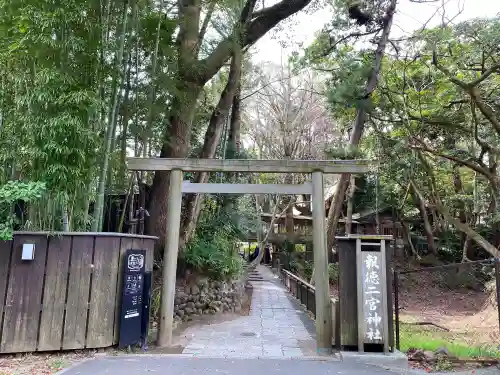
(155, 301)
(10, 193)
(308, 269)
(213, 258)
(443, 364)
(333, 273)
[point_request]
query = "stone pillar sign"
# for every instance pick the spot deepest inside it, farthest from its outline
(373, 327)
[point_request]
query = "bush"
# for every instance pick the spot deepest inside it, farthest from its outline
(214, 250)
(333, 273)
(10, 193)
(213, 258)
(308, 270)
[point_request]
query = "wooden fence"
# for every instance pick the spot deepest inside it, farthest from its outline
(68, 296)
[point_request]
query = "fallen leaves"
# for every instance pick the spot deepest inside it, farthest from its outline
(40, 363)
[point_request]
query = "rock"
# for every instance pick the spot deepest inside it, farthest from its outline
(442, 352)
(182, 295)
(195, 289)
(182, 306)
(203, 283)
(429, 356)
(199, 305)
(417, 355)
(199, 312)
(216, 285)
(190, 304)
(180, 313)
(188, 310)
(177, 301)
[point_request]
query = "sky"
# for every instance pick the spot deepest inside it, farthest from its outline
(409, 17)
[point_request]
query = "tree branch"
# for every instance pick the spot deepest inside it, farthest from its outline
(204, 26)
(251, 32)
(486, 74)
(464, 163)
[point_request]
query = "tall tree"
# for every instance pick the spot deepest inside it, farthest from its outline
(193, 72)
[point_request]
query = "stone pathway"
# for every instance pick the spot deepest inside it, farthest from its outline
(276, 326)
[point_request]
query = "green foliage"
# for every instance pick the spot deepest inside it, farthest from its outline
(333, 273)
(216, 258)
(423, 125)
(15, 192)
(432, 339)
(214, 249)
(301, 268)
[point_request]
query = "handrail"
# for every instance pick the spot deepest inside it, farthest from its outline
(302, 281)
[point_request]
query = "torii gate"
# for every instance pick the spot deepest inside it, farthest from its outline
(316, 167)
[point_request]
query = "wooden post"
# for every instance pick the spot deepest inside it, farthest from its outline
(322, 295)
(170, 259)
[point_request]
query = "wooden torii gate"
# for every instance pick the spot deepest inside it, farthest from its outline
(316, 167)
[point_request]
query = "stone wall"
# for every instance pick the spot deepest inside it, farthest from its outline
(207, 297)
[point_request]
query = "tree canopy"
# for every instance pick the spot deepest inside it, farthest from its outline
(85, 84)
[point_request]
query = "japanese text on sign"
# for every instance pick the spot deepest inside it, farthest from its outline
(372, 297)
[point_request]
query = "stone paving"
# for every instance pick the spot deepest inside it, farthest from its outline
(276, 327)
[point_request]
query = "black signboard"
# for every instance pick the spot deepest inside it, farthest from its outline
(132, 297)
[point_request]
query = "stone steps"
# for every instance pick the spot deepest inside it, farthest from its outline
(255, 276)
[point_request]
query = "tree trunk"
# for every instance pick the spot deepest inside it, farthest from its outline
(212, 141)
(233, 144)
(193, 74)
(476, 237)
(350, 203)
(357, 131)
(462, 215)
(465, 248)
(234, 138)
(420, 203)
(407, 238)
(122, 180)
(176, 145)
(99, 205)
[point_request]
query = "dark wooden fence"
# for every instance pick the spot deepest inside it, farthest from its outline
(68, 296)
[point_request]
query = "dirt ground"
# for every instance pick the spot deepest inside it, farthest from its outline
(473, 313)
(41, 364)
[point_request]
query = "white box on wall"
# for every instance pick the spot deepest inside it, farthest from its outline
(28, 251)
